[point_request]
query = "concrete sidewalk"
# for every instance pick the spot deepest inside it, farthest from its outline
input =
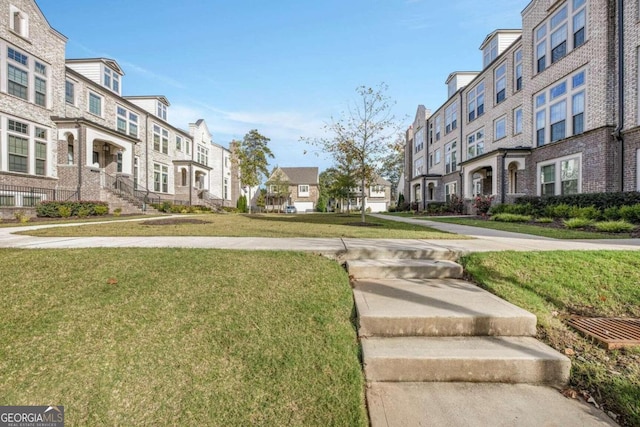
(482, 240)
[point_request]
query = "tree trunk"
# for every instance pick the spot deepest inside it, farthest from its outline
(249, 201)
(362, 216)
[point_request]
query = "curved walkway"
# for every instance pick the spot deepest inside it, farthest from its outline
(483, 240)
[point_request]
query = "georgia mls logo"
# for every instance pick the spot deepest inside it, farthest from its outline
(31, 416)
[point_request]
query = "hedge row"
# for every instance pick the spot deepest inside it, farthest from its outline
(54, 209)
(169, 207)
(600, 201)
(629, 213)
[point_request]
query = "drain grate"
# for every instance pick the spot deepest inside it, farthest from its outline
(610, 333)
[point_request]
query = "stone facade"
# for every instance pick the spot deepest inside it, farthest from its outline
(64, 125)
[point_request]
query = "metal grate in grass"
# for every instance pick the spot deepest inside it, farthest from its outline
(609, 333)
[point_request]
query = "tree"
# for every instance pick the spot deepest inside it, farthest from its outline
(393, 164)
(362, 135)
(251, 156)
(278, 188)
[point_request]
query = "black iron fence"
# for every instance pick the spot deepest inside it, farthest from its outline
(18, 196)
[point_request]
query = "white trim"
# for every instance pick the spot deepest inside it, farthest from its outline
(557, 161)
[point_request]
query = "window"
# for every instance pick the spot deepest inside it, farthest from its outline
(501, 83)
(438, 156)
(187, 145)
(41, 151)
(7, 200)
(70, 153)
(430, 160)
(418, 167)
(438, 128)
(517, 70)
(126, 122)
(562, 106)
(69, 92)
(560, 177)
(30, 200)
(203, 155)
(490, 52)
(450, 157)
(225, 189)
(500, 128)
(475, 102)
(17, 56)
(19, 22)
(418, 140)
(517, 121)
(178, 143)
(162, 111)
(18, 154)
(119, 161)
(160, 178)
(303, 190)
(95, 104)
(136, 161)
(18, 82)
(451, 117)
(553, 35)
(450, 191)
(376, 191)
(475, 144)
(160, 139)
(111, 79)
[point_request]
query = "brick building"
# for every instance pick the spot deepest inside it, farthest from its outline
(553, 111)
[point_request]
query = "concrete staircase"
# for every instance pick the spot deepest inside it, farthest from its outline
(127, 206)
(424, 332)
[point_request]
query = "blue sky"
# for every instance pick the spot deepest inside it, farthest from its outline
(284, 67)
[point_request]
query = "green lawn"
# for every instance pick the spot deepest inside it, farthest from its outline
(555, 233)
(259, 225)
(554, 285)
(180, 337)
(39, 221)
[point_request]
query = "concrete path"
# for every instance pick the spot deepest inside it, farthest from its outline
(482, 240)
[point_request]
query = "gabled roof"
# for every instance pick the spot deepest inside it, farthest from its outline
(111, 63)
(495, 32)
(381, 181)
(295, 176)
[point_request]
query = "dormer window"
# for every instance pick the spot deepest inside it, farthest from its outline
(111, 80)
(19, 23)
(162, 111)
(490, 52)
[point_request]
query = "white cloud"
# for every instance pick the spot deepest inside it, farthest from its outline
(284, 128)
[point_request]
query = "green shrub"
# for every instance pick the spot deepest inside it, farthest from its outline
(577, 223)
(51, 209)
(559, 211)
(630, 213)
(612, 213)
(508, 217)
(101, 210)
(64, 211)
(22, 217)
(83, 212)
(614, 226)
(600, 200)
(455, 204)
(117, 212)
(544, 220)
(587, 212)
(517, 209)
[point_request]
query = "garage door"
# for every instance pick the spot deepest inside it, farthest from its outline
(377, 206)
(304, 206)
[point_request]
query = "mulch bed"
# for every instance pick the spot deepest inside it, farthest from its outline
(174, 221)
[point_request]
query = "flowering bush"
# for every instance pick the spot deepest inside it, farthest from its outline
(482, 204)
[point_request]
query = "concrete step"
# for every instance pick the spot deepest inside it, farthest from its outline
(436, 307)
(463, 359)
(392, 250)
(403, 269)
(477, 405)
